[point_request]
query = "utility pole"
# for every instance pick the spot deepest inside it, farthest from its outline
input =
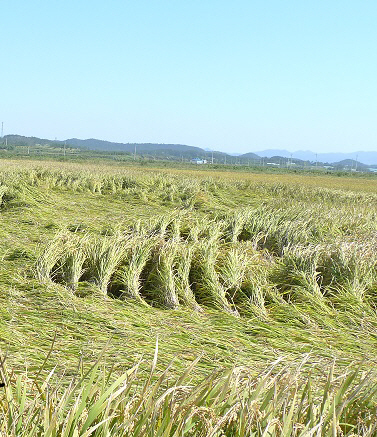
(356, 163)
(135, 153)
(64, 150)
(212, 158)
(225, 159)
(316, 159)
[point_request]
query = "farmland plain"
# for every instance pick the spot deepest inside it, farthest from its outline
(260, 272)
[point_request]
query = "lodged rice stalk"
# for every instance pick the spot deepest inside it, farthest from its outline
(161, 281)
(63, 260)
(48, 265)
(167, 226)
(211, 231)
(206, 282)
(328, 270)
(159, 225)
(169, 279)
(252, 299)
(232, 265)
(296, 270)
(189, 189)
(183, 262)
(139, 229)
(128, 276)
(104, 256)
(193, 232)
(249, 279)
(348, 271)
(73, 260)
(173, 230)
(236, 223)
(278, 227)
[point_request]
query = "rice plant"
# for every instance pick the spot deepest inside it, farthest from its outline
(103, 257)
(236, 224)
(166, 226)
(206, 282)
(192, 230)
(298, 267)
(73, 260)
(128, 277)
(161, 284)
(212, 231)
(48, 265)
(246, 273)
(231, 267)
(183, 261)
(278, 402)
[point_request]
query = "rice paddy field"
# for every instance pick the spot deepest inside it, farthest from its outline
(176, 302)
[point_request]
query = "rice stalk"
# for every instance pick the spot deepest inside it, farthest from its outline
(104, 255)
(183, 260)
(128, 277)
(232, 265)
(48, 265)
(280, 401)
(73, 261)
(236, 223)
(206, 282)
(161, 284)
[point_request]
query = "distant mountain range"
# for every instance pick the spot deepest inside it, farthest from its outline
(364, 159)
(368, 158)
(153, 149)
(94, 144)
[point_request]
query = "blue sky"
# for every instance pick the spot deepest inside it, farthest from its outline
(234, 76)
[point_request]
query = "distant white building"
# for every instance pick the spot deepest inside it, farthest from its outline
(198, 161)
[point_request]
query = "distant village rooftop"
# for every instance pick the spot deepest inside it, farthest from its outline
(198, 161)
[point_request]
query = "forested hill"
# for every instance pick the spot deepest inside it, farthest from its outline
(94, 144)
(155, 149)
(20, 140)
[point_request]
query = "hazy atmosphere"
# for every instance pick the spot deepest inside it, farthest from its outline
(236, 76)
